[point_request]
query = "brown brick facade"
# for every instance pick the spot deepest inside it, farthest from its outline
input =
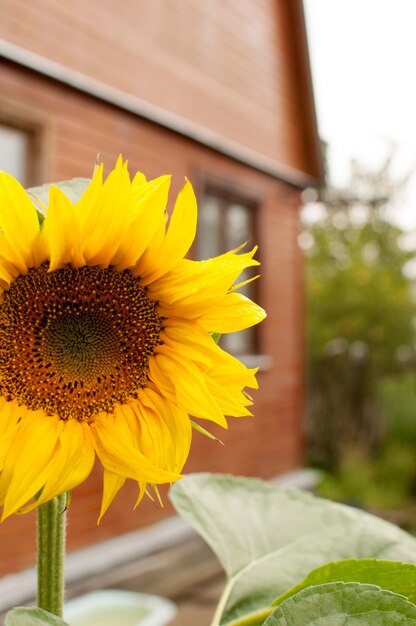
(78, 127)
(230, 66)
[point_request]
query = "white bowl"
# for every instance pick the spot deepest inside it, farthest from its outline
(116, 607)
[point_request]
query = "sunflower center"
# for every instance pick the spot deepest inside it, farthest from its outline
(76, 341)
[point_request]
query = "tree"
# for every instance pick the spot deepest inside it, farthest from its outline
(360, 307)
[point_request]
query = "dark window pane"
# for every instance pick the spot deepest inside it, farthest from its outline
(237, 225)
(239, 343)
(225, 224)
(209, 228)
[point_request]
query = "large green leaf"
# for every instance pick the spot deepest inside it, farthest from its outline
(73, 189)
(269, 538)
(397, 577)
(22, 616)
(344, 604)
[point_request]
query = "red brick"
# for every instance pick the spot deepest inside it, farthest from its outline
(228, 65)
(234, 66)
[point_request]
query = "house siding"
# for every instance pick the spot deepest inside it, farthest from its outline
(232, 66)
(77, 127)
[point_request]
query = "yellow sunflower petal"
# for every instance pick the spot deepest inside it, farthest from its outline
(188, 386)
(10, 416)
(234, 312)
(27, 466)
(18, 221)
(243, 283)
(148, 217)
(146, 196)
(142, 491)
(179, 339)
(111, 486)
(235, 375)
(106, 219)
(178, 423)
(196, 286)
(62, 232)
(153, 248)
(139, 180)
(11, 261)
(88, 201)
(154, 436)
(190, 338)
(179, 237)
(6, 273)
(119, 453)
(232, 404)
(72, 462)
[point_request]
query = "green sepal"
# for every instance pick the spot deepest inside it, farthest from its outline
(205, 432)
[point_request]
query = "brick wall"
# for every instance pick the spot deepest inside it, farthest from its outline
(234, 66)
(75, 127)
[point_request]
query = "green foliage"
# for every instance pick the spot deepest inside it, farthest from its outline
(344, 604)
(384, 480)
(398, 404)
(21, 616)
(360, 311)
(397, 577)
(269, 538)
(357, 290)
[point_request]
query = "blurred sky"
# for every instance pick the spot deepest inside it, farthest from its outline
(363, 56)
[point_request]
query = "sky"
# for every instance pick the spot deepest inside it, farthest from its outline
(363, 58)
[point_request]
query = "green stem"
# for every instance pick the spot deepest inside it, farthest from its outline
(253, 619)
(51, 552)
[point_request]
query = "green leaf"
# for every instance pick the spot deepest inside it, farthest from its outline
(397, 577)
(73, 189)
(344, 604)
(22, 616)
(269, 538)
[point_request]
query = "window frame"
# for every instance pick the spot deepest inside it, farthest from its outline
(226, 199)
(18, 116)
(227, 193)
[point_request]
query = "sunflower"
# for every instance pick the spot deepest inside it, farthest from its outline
(105, 337)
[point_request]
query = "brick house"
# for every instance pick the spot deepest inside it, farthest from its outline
(217, 91)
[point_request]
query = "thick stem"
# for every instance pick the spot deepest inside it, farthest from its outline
(253, 619)
(51, 552)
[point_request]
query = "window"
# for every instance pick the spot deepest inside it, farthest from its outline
(225, 222)
(16, 148)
